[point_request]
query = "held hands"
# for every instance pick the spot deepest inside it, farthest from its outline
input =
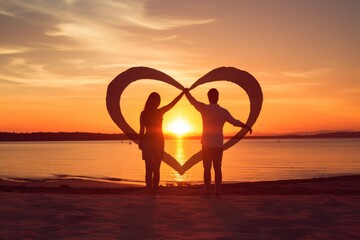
(186, 90)
(182, 93)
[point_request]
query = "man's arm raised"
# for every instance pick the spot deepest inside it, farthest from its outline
(198, 105)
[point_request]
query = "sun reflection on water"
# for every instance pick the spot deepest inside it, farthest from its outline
(180, 157)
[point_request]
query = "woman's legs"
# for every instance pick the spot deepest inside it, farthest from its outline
(148, 175)
(152, 175)
(156, 177)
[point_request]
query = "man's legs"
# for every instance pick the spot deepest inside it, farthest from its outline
(206, 153)
(217, 159)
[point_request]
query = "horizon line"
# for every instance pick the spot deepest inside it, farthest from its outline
(89, 136)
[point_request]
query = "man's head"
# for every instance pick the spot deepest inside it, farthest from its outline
(213, 95)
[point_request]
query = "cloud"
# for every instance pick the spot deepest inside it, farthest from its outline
(6, 13)
(110, 12)
(306, 74)
(76, 43)
(164, 24)
(12, 50)
(162, 39)
(59, 42)
(8, 82)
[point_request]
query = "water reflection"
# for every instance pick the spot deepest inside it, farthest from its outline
(180, 157)
(287, 159)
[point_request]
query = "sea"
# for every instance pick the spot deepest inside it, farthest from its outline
(250, 160)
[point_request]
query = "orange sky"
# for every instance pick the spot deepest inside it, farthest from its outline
(57, 58)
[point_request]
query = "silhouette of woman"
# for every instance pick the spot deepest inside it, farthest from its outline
(151, 140)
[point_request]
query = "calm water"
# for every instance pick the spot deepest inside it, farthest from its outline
(249, 160)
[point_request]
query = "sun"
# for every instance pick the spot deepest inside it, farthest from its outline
(179, 127)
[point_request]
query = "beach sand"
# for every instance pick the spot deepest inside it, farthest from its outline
(327, 208)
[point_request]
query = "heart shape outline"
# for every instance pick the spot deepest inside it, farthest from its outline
(241, 78)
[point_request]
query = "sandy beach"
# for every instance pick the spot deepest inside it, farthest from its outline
(326, 208)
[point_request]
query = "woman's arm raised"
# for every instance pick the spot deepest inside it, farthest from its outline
(172, 104)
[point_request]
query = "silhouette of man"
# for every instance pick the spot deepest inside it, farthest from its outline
(213, 119)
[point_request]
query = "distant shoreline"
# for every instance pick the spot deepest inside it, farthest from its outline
(84, 136)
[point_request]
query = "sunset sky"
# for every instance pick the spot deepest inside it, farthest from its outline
(57, 58)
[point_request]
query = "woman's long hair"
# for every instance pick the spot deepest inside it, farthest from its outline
(152, 102)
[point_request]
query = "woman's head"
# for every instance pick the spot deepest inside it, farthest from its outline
(152, 102)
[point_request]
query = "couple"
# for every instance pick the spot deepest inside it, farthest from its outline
(151, 140)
